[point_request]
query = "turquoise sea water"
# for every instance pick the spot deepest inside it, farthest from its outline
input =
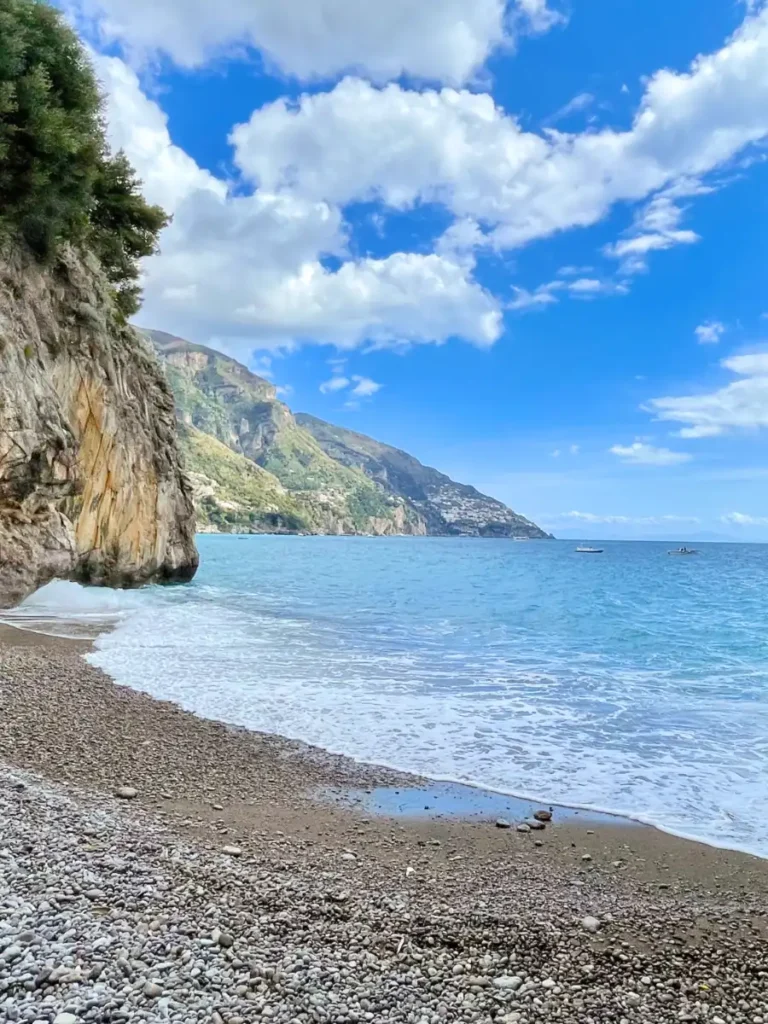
(630, 681)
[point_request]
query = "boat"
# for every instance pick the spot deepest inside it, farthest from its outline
(589, 551)
(683, 551)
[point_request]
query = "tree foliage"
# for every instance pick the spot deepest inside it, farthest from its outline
(59, 182)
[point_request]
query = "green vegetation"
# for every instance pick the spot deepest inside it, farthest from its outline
(245, 497)
(59, 182)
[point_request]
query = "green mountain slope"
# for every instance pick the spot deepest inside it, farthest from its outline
(258, 468)
(447, 507)
(218, 397)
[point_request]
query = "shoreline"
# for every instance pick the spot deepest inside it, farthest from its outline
(398, 918)
(388, 776)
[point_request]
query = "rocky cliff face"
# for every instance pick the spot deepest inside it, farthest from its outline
(280, 480)
(448, 508)
(91, 486)
(258, 468)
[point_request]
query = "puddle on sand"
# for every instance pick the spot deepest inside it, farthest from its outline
(452, 800)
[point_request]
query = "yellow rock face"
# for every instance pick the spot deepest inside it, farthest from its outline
(91, 484)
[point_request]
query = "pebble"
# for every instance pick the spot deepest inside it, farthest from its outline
(65, 1018)
(523, 827)
(510, 982)
(503, 823)
(542, 815)
(126, 792)
(232, 851)
(590, 924)
(152, 990)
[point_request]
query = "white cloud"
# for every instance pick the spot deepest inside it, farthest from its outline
(457, 148)
(742, 519)
(742, 404)
(574, 449)
(709, 333)
(246, 269)
(556, 453)
(546, 294)
(573, 106)
(365, 387)
(642, 454)
(655, 229)
(442, 40)
(334, 384)
(590, 517)
(572, 271)
(542, 296)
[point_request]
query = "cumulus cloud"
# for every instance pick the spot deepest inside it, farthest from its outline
(441, 40)
(743, 404)
(642, 454)
(455, 147)
(709, 333)
(248, 269)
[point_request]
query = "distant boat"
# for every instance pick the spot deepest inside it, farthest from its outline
(590, 551)
(683, 551)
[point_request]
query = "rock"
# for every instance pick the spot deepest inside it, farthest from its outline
(503, 823)
(11, 953)
(99, 493)
(226, 940)
(348, 856)
(534, 825)
(218, 807)
(523, 827)
(586, 856)
(126, 792)
(232, 851)
(590, 924)
(548, 983)
(65, 1018)
(633, 999)
(543, 815)
(510, 982)
(152, 990)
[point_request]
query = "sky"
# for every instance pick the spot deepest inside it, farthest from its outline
(525, 241)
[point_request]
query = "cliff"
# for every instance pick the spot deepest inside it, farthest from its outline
(448, 508)
(91, 485)
(299, 488)
(258, 468)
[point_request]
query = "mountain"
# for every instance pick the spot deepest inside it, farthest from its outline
(256, 467)
(447, 508)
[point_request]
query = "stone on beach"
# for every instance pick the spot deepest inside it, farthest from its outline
(543, 815)
(523, 827)
(503, 823)
(590, 924)
(126, 792)
(232, 851)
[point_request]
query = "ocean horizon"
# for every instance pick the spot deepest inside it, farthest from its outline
(630, 683)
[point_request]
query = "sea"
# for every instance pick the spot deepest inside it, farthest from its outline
(629, 681)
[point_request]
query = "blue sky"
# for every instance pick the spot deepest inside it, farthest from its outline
(525, 241)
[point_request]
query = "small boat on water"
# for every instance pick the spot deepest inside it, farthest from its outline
(589, 551)
(683, 551)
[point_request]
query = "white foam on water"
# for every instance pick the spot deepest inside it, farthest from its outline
(71, 611)
(539, 725)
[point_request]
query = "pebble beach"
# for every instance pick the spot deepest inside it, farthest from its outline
(156, 866)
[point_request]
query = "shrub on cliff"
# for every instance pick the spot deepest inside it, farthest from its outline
(59, 182)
